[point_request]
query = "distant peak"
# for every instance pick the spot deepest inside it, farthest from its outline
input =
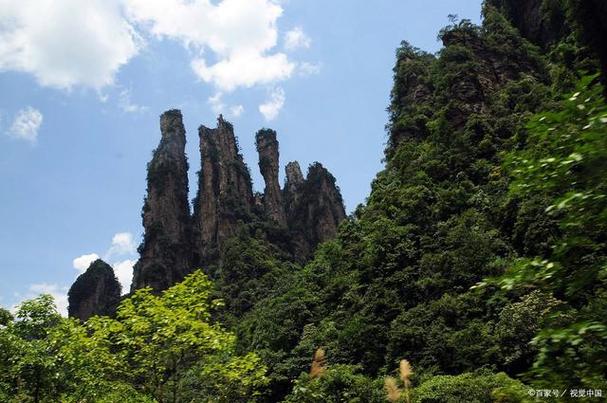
(293, 173)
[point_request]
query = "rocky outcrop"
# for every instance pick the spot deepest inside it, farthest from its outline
(314, 207)
(225, 195)
(267, 147)
(95, 292)
(166, 248)
(294, 219)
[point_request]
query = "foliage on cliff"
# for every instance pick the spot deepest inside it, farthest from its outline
(564, 162)
(449, 212)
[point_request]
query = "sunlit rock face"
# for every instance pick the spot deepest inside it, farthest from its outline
(267, 147)
(225, 193)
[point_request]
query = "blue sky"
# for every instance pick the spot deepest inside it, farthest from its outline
(83, 83)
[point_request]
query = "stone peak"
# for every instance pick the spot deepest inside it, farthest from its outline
(171, 112)
(318, 169)
(95, 292)
(222, 125)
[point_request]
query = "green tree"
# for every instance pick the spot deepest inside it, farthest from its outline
(158, 348)
(564, 161)
(339, 383)
(168, 342)
(47, 358)
(471, 387)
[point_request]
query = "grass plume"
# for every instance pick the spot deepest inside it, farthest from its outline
(393, 392)
(405, 371)
(319, 363)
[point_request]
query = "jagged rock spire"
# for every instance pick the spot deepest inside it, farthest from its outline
(225, 193)
(294, 181)
(95, 292)
(267, 147)
(166, 248)
(307, 210)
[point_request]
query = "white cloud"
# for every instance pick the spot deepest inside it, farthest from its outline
(307, 68)
(124, 273)
(228, 26)
(122, 244)
(272, 106)
(126, 104)
(218, 106)
(236, 110)
(67, 43)
(26, 124)
(81, 263)
(296, 38)
(216, 102)
(245, 69)
(59, 293)
(64, 43)
(240, 33)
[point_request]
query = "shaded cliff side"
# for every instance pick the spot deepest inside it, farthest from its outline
(95, 292)
(166, 248)
(543, 22)
(314, 207)
(551, 24)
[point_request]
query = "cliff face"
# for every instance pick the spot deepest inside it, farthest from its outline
(542, 22)
(225, 194)
(267, 147)
(166, 248)
(314, 207)
(95, 292)
(294, 182)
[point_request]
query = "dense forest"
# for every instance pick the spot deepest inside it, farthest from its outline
(476, 271)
